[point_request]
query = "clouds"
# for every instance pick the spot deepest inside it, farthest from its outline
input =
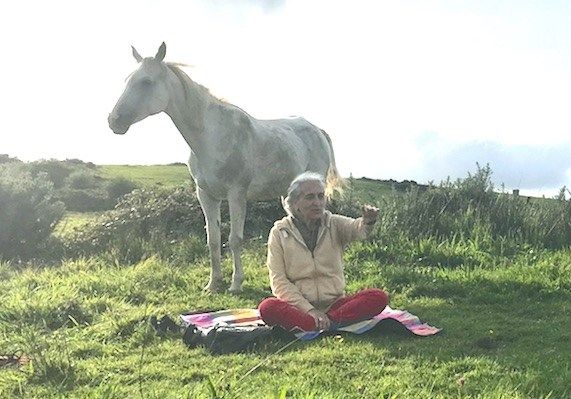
(266, 6)
(517, 166)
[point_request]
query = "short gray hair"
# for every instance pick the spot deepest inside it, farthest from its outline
(294, 190)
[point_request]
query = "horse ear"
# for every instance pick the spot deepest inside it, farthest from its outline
(161, 53)
(137, 55)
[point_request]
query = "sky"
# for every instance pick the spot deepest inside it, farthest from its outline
(417, 90)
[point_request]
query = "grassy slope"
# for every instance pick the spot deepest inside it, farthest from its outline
(368, 191)
(504, 334)
(144, 176)
(175, 175)
(148, 175)
(505, 328)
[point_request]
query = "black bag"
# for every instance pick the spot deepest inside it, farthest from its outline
(164, 325)
(225, 339)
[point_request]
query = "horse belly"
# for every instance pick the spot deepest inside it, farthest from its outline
(270, 190)
(273, 182)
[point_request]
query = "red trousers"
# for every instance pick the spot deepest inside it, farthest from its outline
(360, 306)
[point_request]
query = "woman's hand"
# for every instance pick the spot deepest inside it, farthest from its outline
(322, 322)
(370, 214)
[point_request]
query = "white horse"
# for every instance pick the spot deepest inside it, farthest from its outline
(233, 156)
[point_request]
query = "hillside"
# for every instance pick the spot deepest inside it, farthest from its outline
(493, 271)
(175, 175)
(148, 175)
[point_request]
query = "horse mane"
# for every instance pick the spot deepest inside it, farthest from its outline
(186, 81)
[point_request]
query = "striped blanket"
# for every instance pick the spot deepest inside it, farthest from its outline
(251, 318)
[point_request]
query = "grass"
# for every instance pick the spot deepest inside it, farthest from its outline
(169, 176)
(144, 176)
(148, 175)
(74, 221)
(83, 325)
(366, 191)
(178, 175)
(83, 322)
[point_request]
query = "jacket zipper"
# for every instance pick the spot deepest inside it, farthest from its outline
(312, 257)
(314, 264)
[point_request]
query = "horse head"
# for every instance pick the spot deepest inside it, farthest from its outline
(146, 93)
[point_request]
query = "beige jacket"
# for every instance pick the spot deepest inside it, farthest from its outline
(311, 280)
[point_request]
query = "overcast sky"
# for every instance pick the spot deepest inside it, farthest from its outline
(406, 89)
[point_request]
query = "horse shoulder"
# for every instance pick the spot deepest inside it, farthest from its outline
(230, 140)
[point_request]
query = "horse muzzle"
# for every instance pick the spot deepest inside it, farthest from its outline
(117, 125)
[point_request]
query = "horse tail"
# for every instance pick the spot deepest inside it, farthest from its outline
(333, 180)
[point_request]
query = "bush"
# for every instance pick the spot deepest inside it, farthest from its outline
(84, 200)
(469, 209)
(28, 212)
(79, 162)
(56, 171)
(5, 158)
(142, 223)
(78, 187)
(438, 223)
(81, 180)
(168, 223)
(118, 187)
(260, 217)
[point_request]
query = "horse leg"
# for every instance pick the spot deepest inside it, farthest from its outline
(237, 207)
(211, 209)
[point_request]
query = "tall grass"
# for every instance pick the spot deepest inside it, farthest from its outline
(470, 211)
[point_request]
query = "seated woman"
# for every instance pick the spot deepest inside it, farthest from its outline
(305, 261)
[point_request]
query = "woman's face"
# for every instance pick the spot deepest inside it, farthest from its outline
(311, 203)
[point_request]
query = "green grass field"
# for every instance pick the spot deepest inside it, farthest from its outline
(148, 175)
(177, 175)
(81, 326)
(505, 334)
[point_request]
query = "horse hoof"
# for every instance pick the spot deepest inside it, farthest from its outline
(214, 288)
(235, 290)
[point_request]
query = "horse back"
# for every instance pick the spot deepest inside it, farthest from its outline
(281, 150)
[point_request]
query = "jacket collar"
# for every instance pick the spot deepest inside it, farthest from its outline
(287, 224)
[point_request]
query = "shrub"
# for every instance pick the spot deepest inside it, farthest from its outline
(79, 162)
(469, 209)
(168, 223)
(81, 180)
(442, 220)
(56, 171)
(84, 200)
(5, 158)
(143, 221)
(260, 218)
(118, 187)
(28, 212)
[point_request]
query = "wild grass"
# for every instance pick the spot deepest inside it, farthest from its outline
(148, 176)
(492, 270)
(84, 326)
(75, 221)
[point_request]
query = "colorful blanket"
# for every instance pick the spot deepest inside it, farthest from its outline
(251, 318)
